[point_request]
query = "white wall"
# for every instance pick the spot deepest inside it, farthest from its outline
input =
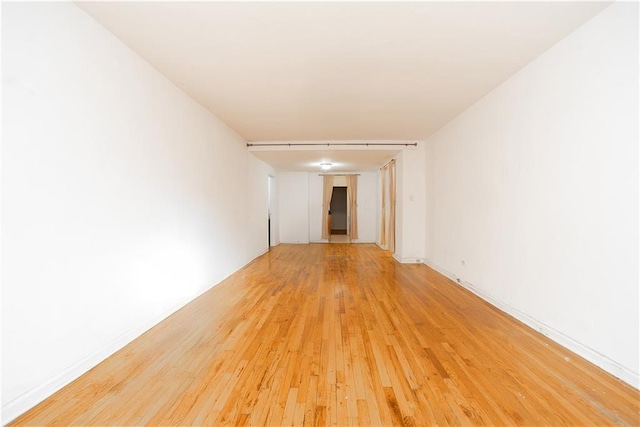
(410, 204)
(258, 207)
(316, 184)
(294, 207)
(275, 210)
(123, 198)
(368, 207)
(535, 188)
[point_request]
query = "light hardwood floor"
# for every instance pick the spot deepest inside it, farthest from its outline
(341, 335)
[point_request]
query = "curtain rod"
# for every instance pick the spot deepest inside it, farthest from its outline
(328, 144)
(338, 174)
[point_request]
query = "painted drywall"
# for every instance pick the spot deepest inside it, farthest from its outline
(410, 204)
(315, 191)
(533, 193)
(258, 206)
(340, 180)
(123, 198)
(378, 207)
(275, 208)
(294, 207)
(367, 206)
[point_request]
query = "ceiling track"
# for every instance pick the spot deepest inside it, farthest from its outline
(328, 144)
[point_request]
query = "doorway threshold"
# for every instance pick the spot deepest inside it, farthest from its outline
(339, 238)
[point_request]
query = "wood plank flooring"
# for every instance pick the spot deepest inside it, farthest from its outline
(340, 335)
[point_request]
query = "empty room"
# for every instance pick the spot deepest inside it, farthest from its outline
(320, 213)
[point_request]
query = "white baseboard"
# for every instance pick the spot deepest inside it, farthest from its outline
(264, 252)
(31, 398)
(598, 359)
(28, 400)
(407, 260)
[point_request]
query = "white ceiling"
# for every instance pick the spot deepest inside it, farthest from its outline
(342, 160)
(296, 71)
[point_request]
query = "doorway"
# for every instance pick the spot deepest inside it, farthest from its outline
(339, 215)
(270, 192)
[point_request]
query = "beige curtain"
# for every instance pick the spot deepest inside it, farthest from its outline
(352, 198)
(383, 223)
(392, 207)
(327, 192)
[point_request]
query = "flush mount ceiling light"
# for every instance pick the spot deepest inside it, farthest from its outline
(326, 166)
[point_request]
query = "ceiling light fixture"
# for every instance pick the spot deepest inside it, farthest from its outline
(326, 166)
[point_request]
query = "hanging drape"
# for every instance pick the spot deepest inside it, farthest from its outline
(327, 191)
(392, 207)
(383, 223)
(352, 199)
(388, 222)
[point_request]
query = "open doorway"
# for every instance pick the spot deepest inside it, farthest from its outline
(339, 224)
(346, 193)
